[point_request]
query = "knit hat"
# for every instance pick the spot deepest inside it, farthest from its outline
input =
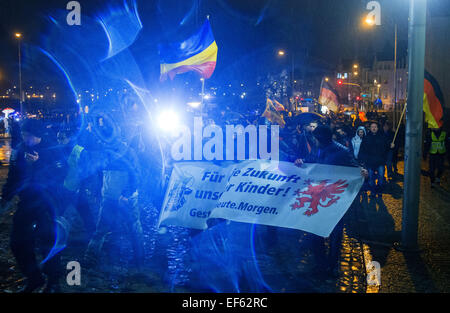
(323, 134)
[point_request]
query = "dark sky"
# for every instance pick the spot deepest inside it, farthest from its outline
(248, 32)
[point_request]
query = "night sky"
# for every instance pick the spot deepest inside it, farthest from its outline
(248, 33)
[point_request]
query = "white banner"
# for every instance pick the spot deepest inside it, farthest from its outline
(313, 198)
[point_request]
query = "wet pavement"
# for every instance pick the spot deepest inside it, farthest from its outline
(238, 257)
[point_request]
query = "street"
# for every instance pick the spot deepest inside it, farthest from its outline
(372, 226)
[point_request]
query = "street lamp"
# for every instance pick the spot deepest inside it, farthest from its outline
(19, 37)
(369, 21)
(282, 53)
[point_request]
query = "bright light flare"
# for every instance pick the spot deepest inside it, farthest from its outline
(168, 121)
(194, 104)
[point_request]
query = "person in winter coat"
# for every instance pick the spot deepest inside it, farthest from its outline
(329, 152)
(305, 141)
(342, 136)
(34, 221)
(372, 154)
(357, 140)
(119, 201)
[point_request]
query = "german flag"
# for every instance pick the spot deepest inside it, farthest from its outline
(433, 102)
(197, 53)
(329, 97)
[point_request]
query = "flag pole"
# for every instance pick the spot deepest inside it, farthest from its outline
(399, 122)
(320, 93)
(414, 125)
(203, 87)
(203, 96)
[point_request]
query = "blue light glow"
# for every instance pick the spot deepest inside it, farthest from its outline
(121, 26)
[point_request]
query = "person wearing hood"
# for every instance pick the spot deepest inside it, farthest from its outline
(121, 175)
(357, 140)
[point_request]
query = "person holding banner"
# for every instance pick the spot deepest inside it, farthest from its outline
(305, 140)
(329, 152)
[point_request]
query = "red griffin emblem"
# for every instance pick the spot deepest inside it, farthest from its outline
(317, 195)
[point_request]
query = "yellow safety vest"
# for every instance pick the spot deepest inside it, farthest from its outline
(438, 144)
(72, 182)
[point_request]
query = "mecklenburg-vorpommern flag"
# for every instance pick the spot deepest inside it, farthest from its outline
(329, 97)
(197, 53)
(433, 102)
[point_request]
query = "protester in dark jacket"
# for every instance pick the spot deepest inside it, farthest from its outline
(373, 154)
(305, 140)
(35, 216)
(342, 136)
(332, 153)
(328, 151)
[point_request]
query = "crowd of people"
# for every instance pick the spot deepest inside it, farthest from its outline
(371, 144)
(108, 169)
(56, 166)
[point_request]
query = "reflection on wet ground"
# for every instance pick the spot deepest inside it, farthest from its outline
(228, 257)
(5, 151)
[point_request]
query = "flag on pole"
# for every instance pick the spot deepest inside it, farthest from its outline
(271, 113)
(278, 106)
(433, 102)
(329, 97)
(197, 53)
